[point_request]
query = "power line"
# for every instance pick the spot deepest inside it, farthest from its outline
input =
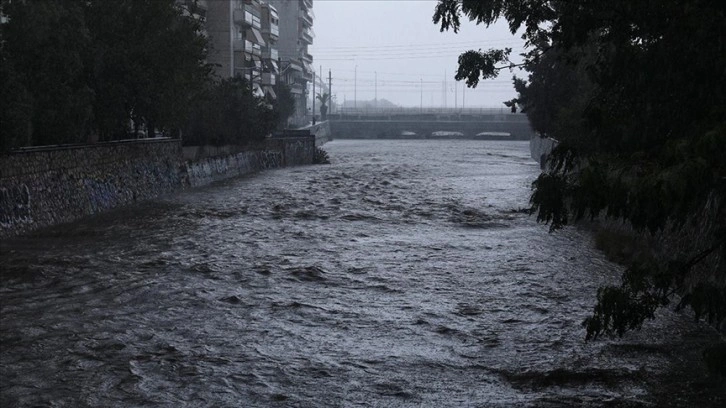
(426, 45)
(393, 55)
(391, 51)
(430, 88)
(429, 56)
(406, 74)
(401, 81)
(448, 50)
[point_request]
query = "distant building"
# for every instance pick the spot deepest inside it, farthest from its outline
(381, 103)
(261, 41)
(270, 55)
(296, 34)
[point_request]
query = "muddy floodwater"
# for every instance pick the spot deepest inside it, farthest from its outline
(402, 275)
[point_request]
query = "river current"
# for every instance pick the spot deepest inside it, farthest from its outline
(404, 274)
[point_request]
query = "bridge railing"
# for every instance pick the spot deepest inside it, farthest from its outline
(405, 111)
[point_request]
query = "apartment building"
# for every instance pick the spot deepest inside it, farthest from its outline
(234, 29)
(296, 34)
(263, 42)
(270, 56)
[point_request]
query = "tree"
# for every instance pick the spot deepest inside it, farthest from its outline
(148, 64)
(78, 68)
(228, 112)
(45, 99)
(636, 95)
(284, 104)
(323, 98)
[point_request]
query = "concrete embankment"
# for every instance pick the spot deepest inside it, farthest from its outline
(540, 148)
(322, 131)
(42, 187)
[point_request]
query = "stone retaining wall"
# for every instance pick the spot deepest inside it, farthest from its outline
(42, 187)
(48, 186)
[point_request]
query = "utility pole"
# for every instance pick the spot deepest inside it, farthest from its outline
(330, 90)
(463, 97)
(456, 96)
(445, 91)
(375, 96)
(313, 118)
(355, 88)
(421, 95)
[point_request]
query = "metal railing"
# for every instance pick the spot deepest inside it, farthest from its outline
(372, 111)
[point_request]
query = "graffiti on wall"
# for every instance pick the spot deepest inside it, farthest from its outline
(14, 205)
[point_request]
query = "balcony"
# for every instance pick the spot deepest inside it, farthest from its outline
(268, 78)
(247, 16)
(253, 48)
(307, 75)
(306, 17)
(243, 45)
(307, 35)
(270, 53)
(306, 57)
(272, 31)
(238, 16)
(308, 3)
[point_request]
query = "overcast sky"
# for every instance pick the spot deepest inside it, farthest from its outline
(397, 40)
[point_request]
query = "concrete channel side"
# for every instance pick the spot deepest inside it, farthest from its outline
(41, 187)
(540, 148)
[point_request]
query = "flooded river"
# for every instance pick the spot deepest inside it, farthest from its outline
(402, 275)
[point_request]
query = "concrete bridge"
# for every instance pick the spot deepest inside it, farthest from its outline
(402, 123)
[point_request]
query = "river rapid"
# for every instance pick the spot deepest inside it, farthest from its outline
(402, 275)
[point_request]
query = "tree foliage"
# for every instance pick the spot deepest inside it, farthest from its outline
(323, 98)
(228, 112)
(74, 68)
(635, 93)
(73, 71)
(43, 93)
(148, 64)
(284, 104)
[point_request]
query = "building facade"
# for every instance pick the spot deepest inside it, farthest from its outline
(263, 41)
(234, 29)
(270, 56)
(296, 34)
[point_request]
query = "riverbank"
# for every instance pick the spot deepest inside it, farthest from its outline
(402, 274)
(623, 244)
(48, 186)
